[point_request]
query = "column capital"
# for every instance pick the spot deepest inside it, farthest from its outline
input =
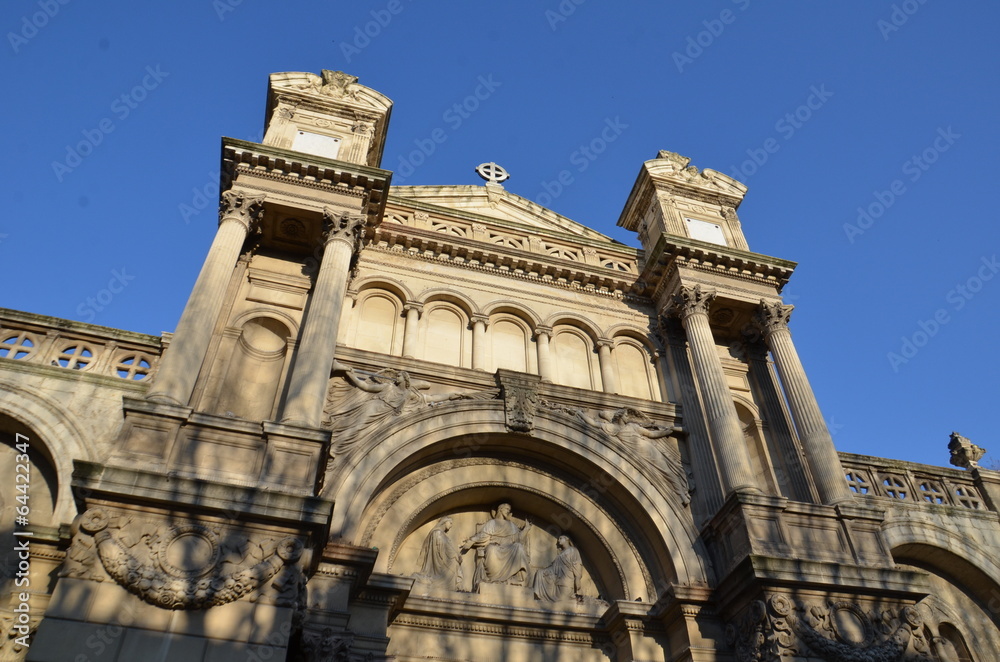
(542, 330)
(413, 305)
(341, 225)
(606, 343)
(479, 317)
(688, 301)
(241, 206)
(673, 330)
(772, 316)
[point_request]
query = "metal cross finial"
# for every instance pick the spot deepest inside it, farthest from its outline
(491, 172)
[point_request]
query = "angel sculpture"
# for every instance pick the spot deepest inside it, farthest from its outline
(373, 400)
(440, 562)
(636, 431)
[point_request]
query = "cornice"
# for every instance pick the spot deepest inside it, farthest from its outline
(673, 251)
(502, 260)
(313, 171)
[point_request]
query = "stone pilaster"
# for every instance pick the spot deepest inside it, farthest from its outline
(691, 305)
(239, 214)
(821, 455)
(317, 347)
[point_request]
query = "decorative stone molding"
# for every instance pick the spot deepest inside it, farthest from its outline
(329, 645)
(521, 400)
(772, 316)
(243, 207)
(187, 565)
(964, 453)
(777, 628)
(690, 301)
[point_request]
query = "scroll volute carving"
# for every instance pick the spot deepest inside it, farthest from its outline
(242, 206)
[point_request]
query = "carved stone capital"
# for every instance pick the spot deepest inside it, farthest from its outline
(690, 301)
(340, 225)
(672, 330)
(414, 305)
(543, 331)
(964, 453)
(480, 319)
(243, 207)
(772, 316)
(605, 343)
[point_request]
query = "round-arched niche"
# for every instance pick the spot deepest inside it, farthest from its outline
(541, 522)
(622, 558)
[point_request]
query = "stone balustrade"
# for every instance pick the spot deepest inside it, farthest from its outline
(908, 482)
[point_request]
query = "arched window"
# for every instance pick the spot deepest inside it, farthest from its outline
(510, 345)
(572, 352)
(378, 324)
(444, 335)
(634, 371)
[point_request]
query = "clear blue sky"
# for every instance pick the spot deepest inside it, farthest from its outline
(716, 81)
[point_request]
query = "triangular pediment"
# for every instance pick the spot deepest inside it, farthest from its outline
(498, 203)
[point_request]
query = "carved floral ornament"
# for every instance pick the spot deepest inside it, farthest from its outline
(185, 566)
(241, 206)
(342, 225)
(777, 628)
(690, 301)
(772, 316)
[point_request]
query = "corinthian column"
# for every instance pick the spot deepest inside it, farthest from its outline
(691, 304)
(239, 214)
(318, 345)
(824, 463)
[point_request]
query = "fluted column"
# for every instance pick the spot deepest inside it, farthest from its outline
(239, 213)
(479, 323)
(413, 311)
(691, 304)
(317, 346)
(821, 455)
(609, 376)
(542, 336)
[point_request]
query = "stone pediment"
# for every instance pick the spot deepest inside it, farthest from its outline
(332, 86)
(673, 166)
(496, 202)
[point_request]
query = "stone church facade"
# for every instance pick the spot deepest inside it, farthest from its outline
(446, 423)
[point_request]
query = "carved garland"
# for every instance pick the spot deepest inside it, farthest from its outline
(774, 630)
(181, 567)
